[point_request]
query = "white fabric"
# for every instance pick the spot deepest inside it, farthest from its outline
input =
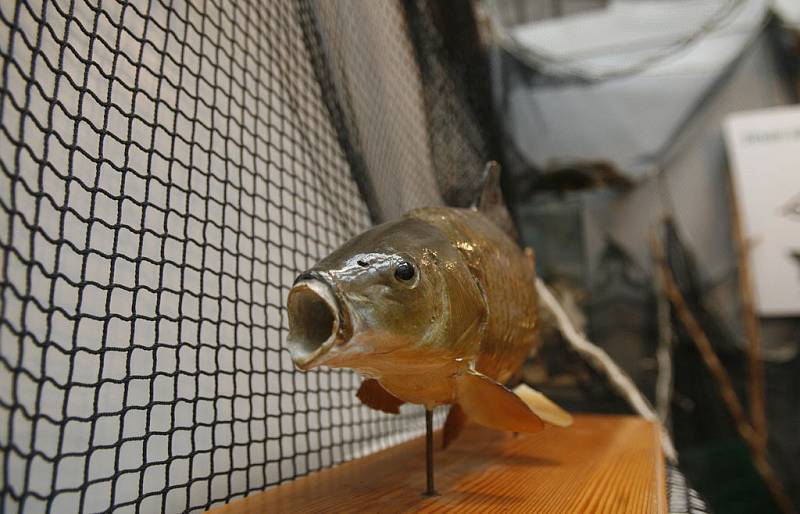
(630, 120)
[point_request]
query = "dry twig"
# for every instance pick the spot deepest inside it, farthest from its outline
(601, 361)
(664, 348)
(724, 385)
(755, 370)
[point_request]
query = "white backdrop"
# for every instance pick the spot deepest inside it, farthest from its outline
(166, 173)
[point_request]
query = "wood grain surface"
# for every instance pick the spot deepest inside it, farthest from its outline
(602, 464)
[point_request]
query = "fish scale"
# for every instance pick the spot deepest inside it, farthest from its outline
(506, 278)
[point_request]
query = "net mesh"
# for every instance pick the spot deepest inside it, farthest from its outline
(166, 170)
(381, 105)
(411, 98)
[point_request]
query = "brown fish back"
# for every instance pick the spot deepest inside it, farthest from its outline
(506, 279)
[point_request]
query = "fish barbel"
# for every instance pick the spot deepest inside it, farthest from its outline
(438, 307)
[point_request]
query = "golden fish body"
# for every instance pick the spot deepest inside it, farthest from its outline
(505, 279)
(439, 307)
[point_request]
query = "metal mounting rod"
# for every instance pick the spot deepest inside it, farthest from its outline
(430, 491)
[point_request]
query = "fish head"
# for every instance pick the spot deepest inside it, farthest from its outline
(391, 288)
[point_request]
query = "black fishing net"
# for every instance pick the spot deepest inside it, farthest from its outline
(413, 111)
(166, 170)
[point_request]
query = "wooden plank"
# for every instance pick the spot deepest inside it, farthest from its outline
(602, 464)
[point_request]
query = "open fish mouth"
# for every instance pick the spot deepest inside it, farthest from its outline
(314, 321)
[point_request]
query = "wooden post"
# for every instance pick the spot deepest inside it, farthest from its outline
(725, 387)
(755, 369)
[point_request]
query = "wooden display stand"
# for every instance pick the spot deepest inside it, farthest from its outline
(608, 464)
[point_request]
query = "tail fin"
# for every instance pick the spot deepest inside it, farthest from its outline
(543, 406)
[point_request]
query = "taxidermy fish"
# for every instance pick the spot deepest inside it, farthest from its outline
(435, 308)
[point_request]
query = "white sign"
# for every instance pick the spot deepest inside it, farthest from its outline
(764, 156)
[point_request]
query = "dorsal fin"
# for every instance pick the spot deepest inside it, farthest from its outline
(490, 202)
(491, 192)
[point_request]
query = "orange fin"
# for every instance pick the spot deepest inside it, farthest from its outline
(493, 406)
(491, 202)
(372, 394)
(543, 406)
(531, 256)
(453, 425)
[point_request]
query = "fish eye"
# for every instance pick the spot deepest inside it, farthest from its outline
(404, 271)
(361, 263)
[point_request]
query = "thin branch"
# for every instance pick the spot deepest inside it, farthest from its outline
(724, 386)
(755, 369)
(664, 348)
(601, 361)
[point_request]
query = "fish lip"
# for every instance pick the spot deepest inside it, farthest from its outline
(314, 311)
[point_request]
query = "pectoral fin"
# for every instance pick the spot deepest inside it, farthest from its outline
(453, 425)
(543, 406)
(372, 394)
(493, 406)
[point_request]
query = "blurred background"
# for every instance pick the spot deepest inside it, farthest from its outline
(167, 169)
(622, 125)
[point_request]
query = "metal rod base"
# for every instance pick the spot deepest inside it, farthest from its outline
(430, 491)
